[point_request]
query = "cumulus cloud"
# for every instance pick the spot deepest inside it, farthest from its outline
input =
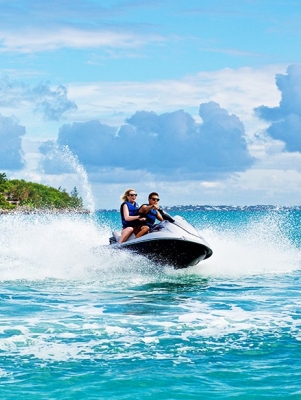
(52, 103)
(223, 146)
(171, 144)
(11, 156)
(286, 118)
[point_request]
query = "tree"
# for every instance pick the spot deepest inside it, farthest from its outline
(76, 202)
(3, 178)
(36, 195)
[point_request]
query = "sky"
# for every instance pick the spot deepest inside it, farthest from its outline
(198, 100)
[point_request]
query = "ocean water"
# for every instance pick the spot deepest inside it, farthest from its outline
(80, 321)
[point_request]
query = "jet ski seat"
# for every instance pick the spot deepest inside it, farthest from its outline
(117, 235)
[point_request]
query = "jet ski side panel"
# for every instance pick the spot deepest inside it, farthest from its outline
(175, 243)
(180, 253)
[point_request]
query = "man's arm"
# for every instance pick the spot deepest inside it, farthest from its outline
(145, 209)
(159, 216)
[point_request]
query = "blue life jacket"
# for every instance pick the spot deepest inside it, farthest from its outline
(150, 216)
(133, 211)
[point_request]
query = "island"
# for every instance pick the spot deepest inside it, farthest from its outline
(21, 196)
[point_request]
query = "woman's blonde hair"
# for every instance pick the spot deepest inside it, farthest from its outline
(125, 194)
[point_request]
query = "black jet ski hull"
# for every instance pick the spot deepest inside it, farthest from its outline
(173, 241)
(179, 253)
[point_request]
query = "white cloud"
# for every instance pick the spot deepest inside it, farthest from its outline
(170, 143)
(33, 40)
(286, 118)
(239, 91)
(11, 154)
(51, 102)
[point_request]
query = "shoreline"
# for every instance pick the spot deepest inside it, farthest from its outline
(30, 210)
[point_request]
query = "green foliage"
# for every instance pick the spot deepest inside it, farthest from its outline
(35, 195)
(3, 178)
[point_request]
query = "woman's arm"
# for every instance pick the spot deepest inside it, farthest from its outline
(127, 217)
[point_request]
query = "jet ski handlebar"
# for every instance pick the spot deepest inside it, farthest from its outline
(165, 215)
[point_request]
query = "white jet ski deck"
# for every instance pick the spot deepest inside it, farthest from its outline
(173, 241)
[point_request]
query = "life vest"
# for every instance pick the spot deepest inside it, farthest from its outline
(133, 211)
(150, 216)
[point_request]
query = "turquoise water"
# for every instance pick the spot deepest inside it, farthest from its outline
(79, 321)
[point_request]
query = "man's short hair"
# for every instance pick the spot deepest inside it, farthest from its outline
(153, 194)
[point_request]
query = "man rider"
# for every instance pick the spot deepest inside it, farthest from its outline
(151, 210)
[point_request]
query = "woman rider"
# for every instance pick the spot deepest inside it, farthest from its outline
(131, 221)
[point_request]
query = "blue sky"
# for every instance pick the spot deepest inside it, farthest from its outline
(198, 100)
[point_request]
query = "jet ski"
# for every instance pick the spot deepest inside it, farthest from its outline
(173, 241)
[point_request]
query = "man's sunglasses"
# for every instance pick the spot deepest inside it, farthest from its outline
(155, 199)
